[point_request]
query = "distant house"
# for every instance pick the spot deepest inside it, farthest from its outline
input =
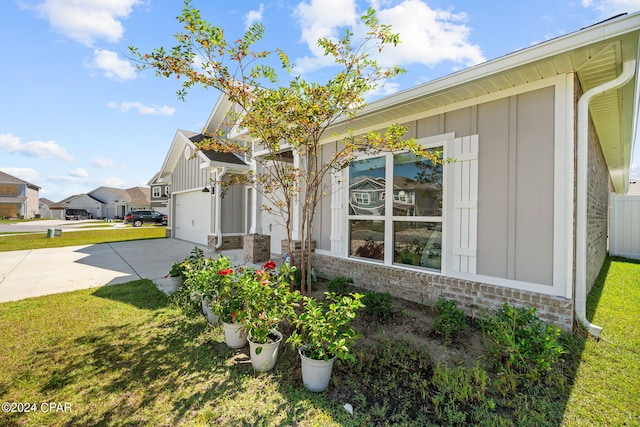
(105, 202)
(18, 198)
(48, 209)
(159, 194)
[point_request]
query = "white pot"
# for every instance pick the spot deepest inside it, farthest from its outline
(315, 373)
(264, 356)
(234, 335)
(206, 309)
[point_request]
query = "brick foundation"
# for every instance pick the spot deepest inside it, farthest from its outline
(297, 244)
(257, 248)
(228, 242)
(425, 288)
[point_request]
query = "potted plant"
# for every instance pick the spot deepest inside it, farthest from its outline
(267, 301)
(228, 305)
(202, 280)
(322, 333)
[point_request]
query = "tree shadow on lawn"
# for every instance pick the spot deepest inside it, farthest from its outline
(160, 368)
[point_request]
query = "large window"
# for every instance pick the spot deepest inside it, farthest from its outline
(409, 223)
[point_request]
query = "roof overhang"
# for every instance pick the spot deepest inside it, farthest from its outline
(594, 54)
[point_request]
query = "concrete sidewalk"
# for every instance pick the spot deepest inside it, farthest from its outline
(37, 272)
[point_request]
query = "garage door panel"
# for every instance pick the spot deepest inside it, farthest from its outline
(193, 216)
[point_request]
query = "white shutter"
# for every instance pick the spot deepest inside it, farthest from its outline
(462, 192)
(338, 214)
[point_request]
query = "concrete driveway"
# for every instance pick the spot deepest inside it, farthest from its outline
(37, 272)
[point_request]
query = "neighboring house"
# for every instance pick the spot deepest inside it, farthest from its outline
(197, 212)
(105, 202)
(159, 194)
(18, 198)
(48, 210)
(540, 137)
(116, 202)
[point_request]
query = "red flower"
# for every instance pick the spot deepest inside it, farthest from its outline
(269, 265)
(225, 272)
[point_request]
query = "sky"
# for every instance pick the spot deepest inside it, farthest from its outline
(75, 114)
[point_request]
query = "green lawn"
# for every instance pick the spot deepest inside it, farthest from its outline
(74, 238)
(123, 355)
(607, 384)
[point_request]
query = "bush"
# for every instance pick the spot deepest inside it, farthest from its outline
(522, 342)
(450, 321)
(340, 285)
(378, 304)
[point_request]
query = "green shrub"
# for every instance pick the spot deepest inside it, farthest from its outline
(378, 304)
(297, 278)
(450, 320)
(522, 342)
(340, 285)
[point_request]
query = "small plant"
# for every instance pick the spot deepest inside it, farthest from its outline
(378, 304)
(323, 327)
(371, 249)
(340, 285)
(450, 321)
(523, 342)
(267, 299)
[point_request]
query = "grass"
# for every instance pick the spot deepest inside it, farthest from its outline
(75, 238)
(607, 383)
(124, 355)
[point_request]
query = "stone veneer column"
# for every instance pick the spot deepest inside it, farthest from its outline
(257, 248)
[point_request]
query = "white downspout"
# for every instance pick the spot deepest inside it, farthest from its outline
(218, 190)
(582, 175)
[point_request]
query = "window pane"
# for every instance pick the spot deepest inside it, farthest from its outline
(417, 243)
(417, 186)
(367, 239)
(366, 187)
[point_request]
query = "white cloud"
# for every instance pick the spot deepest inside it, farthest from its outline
(86, 21)
(103, 163)
(608, 8)
(254, 16)
(79, 173)
(38, 149)
(110, 64)
(428, 36)
(27, 174)
(145, 110)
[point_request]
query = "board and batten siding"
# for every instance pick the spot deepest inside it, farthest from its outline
(187, 174)
(515, 187)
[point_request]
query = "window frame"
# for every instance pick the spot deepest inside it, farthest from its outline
(439, 142)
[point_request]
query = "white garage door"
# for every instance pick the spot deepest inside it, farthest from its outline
(192, 216)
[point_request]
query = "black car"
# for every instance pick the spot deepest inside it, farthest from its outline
(77, 214)
(137, 218)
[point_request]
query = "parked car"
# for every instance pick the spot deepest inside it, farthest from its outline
(137, 218)
(77, 214)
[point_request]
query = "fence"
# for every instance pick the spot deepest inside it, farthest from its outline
(624, 233)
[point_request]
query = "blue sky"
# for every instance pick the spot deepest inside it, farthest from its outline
(76, 115)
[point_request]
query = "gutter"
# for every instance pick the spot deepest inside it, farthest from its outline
(582, 175)
(219, 176)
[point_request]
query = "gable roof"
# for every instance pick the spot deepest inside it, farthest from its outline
(595, 54)
(5, 178)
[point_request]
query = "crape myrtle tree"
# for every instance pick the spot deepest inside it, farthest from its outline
(282, 117)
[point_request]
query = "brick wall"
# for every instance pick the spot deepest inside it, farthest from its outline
(228, 242)
(597, 209)
(425, 288)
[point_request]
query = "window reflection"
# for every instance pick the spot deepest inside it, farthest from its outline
(366, 187)
(367, 239)
(417, 243)
(417, 186)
